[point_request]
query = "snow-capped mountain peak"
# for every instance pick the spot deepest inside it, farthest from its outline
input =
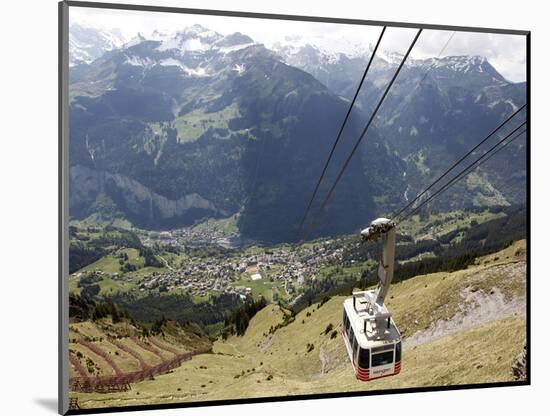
(87, 43)
(331, 48)
(323, 58)
(461, 63)
(234, 39)
(195, 51)
(157, 35)
(199, 39)
(136, 40)
(391, 57)
(197, 30)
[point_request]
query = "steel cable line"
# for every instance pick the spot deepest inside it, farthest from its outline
(433, 65)
(360, 138)
(465, 172)
(342, 128)
(478, 162)
(473, 149)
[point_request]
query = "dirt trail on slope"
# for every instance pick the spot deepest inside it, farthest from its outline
(478, 308)
(324, 358)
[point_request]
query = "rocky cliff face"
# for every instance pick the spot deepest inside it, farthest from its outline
(519, 369)
(88, 185)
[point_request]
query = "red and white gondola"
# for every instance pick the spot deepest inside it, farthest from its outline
(373, 351)
(371, 337)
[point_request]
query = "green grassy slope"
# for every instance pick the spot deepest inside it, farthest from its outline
(268, 362)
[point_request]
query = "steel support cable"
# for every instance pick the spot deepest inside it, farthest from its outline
(473, 149)
(433, 65)
(465, 172)
(478, 162)
(362, 135)
(341, 128)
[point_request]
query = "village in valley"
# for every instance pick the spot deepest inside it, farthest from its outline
(278, 272)
(276, 268)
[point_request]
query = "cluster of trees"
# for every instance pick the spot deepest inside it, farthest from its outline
(119, 237)
(496, 232)
(173, 249)
(448, 263)
(81, 254)
(177, 307)
(149, 255)
(477, 241)
(90, 291)
(237, 321)
(89, 284)
(83, 308)
(321, 289)
(209, 251)
(450, 236)
(84, 251)
(288, 318)
(89, 279)
(128, 267)
(103, 310)
(156, 328)
(123, 256)
(407, 251)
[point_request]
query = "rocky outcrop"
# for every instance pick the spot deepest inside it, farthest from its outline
(519, 369)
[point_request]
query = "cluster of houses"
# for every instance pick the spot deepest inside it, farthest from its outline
(201, 276)
(162, 238)
(197, 278)
(194, 236)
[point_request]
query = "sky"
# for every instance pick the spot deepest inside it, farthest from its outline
(507, 53)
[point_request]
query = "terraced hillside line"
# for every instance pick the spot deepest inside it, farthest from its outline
(77, 365)
(121, 382)
(104, 355)
(148, 348)
(164, 347)
(73, 404)
(143, 364)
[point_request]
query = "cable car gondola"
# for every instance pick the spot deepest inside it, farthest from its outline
(372, 339)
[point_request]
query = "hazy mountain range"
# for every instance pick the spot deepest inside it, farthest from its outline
(166, 129)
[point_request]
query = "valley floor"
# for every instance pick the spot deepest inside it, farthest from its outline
(465, 327)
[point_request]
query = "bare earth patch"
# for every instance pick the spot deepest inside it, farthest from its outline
(477, 308)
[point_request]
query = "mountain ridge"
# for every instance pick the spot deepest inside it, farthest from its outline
(185, 100)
